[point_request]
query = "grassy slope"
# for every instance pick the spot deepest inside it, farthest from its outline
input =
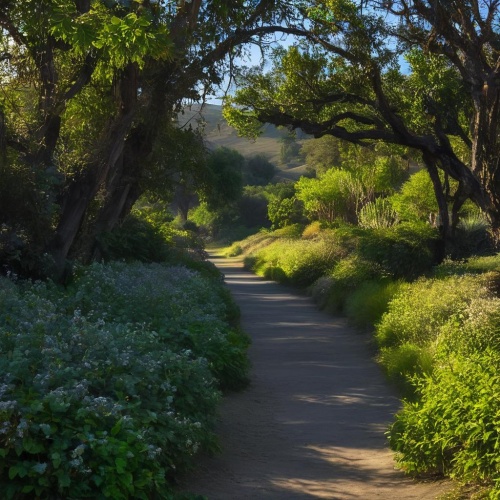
(218, 133)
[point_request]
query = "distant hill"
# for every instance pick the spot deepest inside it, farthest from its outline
(219, 134)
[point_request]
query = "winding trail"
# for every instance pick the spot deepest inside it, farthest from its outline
(311, 425)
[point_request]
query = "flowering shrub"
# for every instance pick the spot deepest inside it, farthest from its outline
(108, 388)
(187, 310)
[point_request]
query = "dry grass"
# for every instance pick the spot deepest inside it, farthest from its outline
(219, 134)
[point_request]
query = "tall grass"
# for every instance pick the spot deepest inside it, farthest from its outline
(297, 262)
(366, 305)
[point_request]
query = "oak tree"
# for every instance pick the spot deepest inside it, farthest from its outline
(87, 86)
(345, 78)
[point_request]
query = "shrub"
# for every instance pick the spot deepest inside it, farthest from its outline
(474, 265)
(403, 251)
(160, 297)
(292, 231)
(453, 427)
(416, 200)
(297, 262)
(419, 310)
(320, 291)
(134, 240)
(472, 236)
(312, 230)
(377, 214)
(347, 275)
(283, 211)
(108, 388)
(403, 362)
(369, 301)
(253, 243)
(94, 410)
(234, 250)
(148, 234)
(473, 329)
(336, 194)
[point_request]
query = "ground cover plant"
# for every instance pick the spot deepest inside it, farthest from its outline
(109, 388)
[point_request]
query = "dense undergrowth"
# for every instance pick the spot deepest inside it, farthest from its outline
(109, 387)
(436, 327)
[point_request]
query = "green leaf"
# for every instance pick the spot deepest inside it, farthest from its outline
(32, 446)
(120, 463)
(13, 472)
(97, 480)
(63, 479)
(116, 428)
(56, 459)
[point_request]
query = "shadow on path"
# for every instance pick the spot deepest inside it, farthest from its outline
(312, 423)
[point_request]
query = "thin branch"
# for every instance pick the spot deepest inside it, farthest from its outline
(82, 78)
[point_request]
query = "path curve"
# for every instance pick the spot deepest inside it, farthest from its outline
(311, 425)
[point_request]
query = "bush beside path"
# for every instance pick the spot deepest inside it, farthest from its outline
(312, 424)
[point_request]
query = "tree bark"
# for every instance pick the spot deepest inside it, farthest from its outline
(486, 146)
(82, 192)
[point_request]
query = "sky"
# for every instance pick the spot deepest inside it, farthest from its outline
(254, 58)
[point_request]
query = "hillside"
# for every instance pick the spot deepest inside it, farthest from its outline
(219, 134)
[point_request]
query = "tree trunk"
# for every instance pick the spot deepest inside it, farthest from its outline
(486, 147)
(83, 190)
(81, 193)
(122, 191)
(123, 184)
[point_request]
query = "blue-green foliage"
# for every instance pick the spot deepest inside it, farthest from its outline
(110, 387)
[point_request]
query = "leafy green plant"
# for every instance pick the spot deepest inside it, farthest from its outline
(473, 329)
(312, 230)
(453, 427)
(403, 363)
(347, 275)
(292, 231)
(336, 194)
(234, 250)
(416, 200)
(403, 251)
(377, 214)
(474, 265)
(366, 305)
(419, 310)
(472, 236)
(298, 262)
(135, 239)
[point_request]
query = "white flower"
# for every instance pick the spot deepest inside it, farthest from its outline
(40, 467)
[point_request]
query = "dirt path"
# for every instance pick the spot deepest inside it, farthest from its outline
(312, 423)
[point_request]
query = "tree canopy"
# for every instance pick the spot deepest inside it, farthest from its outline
(344, 77)
(86, 88)
(90, 87)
